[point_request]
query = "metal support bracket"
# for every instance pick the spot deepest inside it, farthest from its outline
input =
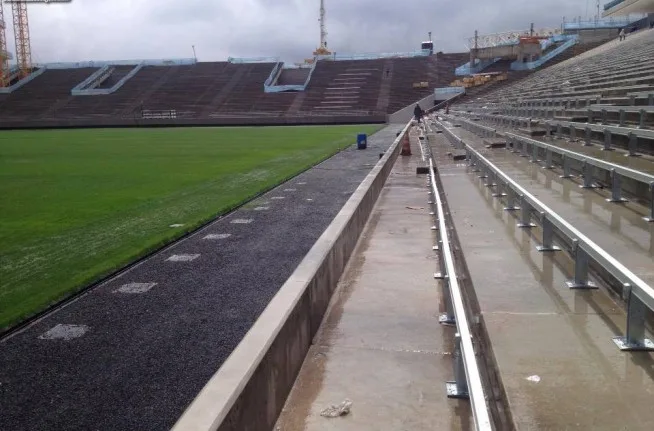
(634, 339)
(580, 280)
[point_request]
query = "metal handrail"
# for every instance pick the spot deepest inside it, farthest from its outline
(616, 172)
(638, 293)
(475, 388)
(633, 174)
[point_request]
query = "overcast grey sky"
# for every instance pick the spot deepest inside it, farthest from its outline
(134, 29)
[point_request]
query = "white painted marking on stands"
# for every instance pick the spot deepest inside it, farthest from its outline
(241, 221)
(135, 288)
(217, 236)
(64, 332)
(183, 257)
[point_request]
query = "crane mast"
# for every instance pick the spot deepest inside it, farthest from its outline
(22, 36)
(4, 55)
(322, 49)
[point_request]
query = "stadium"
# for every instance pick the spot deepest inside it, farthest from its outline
(392, 240)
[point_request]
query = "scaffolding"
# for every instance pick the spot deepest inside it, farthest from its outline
(22, 36)
(4, 55)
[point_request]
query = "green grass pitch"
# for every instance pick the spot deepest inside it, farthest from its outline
(76, 205)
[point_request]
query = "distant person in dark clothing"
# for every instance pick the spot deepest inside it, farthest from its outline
(622, 35)
(388, 72)
(418, 112)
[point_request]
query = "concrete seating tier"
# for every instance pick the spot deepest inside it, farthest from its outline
(121, 103)
(38, 95)
(611, 70)
(220, 89)
(610, 88)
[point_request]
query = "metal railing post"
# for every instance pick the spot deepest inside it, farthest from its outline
(633, 145)
(616, 187)
(607, 140)
(525, 214)
(634, 338)
(650, 218)
(548, 159)
(534, 154)
(588, 176)
(459, 387)
(580, 280)
(587, 142)
(548, 235)
(523, 149)
(566, 167)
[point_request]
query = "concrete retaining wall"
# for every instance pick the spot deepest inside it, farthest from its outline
(105, 122)
(406, 114)
(250, 389)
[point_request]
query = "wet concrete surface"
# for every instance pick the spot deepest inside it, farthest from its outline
(381, 345)
(143, 357)
(553, 346)
(618, 228)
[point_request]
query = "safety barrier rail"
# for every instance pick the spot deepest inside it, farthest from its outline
(607, 131)
(615, 172)
(467, 383)
(639, 295)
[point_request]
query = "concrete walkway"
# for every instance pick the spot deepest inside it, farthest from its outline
(618, 229)
(558, 365)
(381, 345)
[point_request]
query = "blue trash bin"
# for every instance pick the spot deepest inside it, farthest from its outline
(362, 141)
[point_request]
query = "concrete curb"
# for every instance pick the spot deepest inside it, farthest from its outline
(250, 388)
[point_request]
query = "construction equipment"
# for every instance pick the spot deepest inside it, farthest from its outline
(4, 55)
(22, 36)
(322, 49)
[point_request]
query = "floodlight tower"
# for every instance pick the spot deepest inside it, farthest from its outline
(4, 55)
(322, 50)
(22, 36)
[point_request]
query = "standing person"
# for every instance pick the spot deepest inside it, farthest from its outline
(622, 35)
(418, 112)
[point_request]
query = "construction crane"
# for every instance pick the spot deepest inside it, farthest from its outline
(22, 36)
(23, 47)
(4, 55)
(322, 50)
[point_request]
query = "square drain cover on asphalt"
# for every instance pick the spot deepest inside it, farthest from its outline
(217, 236)
(135, 287)
(183, 257)
(64, 332)
(242, 221)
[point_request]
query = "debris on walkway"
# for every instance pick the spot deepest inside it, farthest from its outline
(334, 411)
